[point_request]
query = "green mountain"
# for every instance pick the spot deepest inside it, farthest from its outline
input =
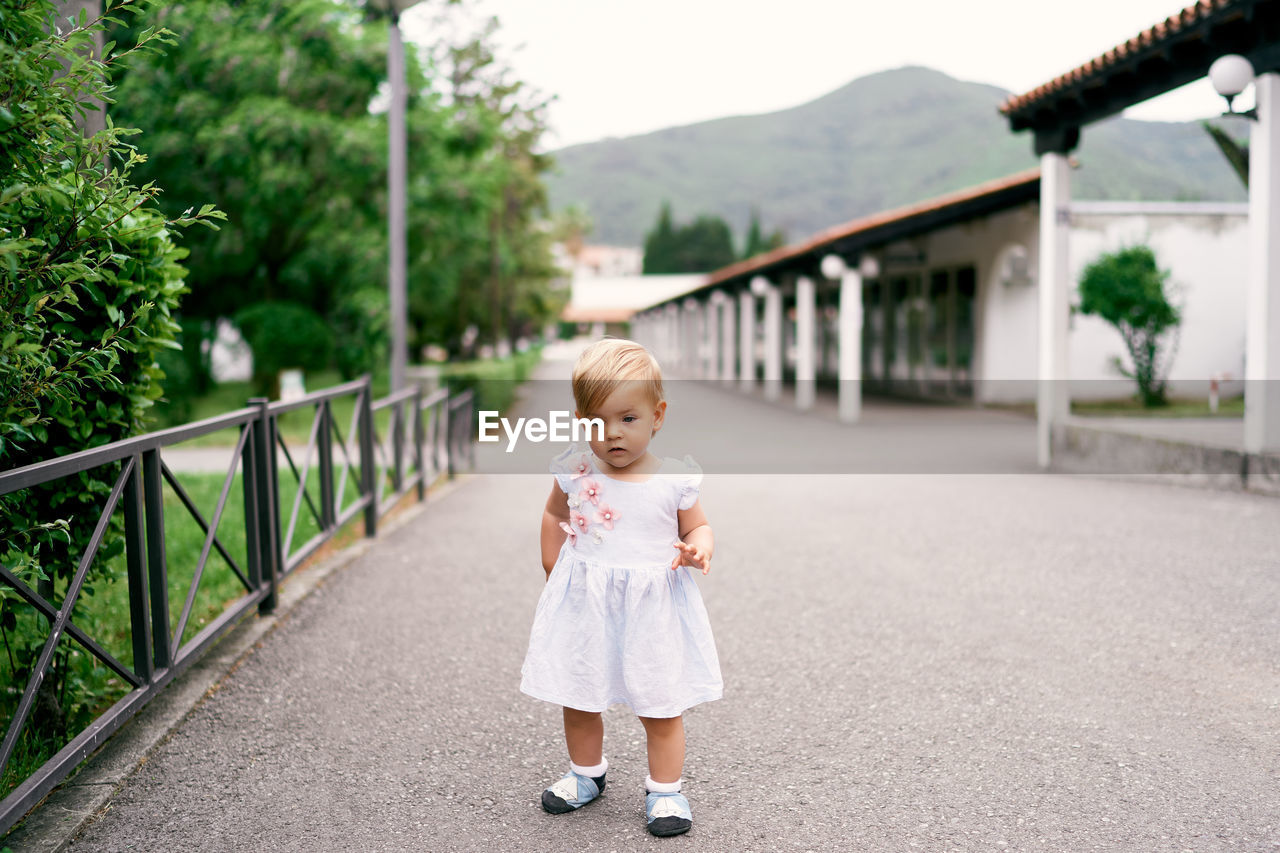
(882, 141)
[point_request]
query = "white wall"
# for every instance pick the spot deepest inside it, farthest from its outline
(1004, 313)
(1204, 248)
(1202, 245)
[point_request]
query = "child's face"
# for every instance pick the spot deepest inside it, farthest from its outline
(631, 418)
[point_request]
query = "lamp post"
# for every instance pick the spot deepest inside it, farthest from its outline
(1231, 75)
(397, 176)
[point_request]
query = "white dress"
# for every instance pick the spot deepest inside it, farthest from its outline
(615, 624)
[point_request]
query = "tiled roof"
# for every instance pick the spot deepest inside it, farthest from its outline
(871, 223)
(1150, 39)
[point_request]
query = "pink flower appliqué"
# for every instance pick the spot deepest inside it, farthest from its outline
(590, 492)
(606, 516)
(579, 521)
(582, 469)
(573, 534)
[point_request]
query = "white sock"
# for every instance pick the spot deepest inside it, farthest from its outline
(592, 771)
(661, 787)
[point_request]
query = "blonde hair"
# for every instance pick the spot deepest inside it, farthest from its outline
(606, 365)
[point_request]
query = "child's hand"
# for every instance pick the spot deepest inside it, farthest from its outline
(692, 556)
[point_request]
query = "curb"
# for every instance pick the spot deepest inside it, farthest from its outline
(1084, 448)
(76, 802)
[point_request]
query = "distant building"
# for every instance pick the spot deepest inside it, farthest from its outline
(607, 288)
(601, 261)
(608, 302)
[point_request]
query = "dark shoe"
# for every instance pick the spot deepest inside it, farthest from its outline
(667, 814)
(571, 792)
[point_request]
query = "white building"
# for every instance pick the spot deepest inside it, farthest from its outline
(948, 301)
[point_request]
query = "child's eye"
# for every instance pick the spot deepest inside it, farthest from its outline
(629, 418)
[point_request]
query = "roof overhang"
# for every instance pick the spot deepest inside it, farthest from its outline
(1170, 54)
(853, 238)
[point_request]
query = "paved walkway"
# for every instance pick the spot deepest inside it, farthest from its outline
(931, 661)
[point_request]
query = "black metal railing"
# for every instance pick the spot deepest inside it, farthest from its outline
(344, 470)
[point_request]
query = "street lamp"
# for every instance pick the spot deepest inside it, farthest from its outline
(397, 176)
(1231, 75)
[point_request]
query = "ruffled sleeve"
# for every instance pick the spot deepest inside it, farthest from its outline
(570, 466)
(690, 482)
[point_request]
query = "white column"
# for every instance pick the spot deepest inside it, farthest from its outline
(711, 337)
(728, 340)
(698, 333)
(1262, 324)
(677, 337)
(746, 341)
(805, 329)
(689, 338)
(773, 343)
(673, 333)
(850, 327)
(1052, 401)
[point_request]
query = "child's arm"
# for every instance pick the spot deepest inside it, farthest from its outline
(697, 542)
(553, 535)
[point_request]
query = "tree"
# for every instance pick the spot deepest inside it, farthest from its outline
(1127, 289)
(570, 227)
(757, 242)
(660, 244)
(272, 108)
(702, 245)
(263, 106)
(499, 122)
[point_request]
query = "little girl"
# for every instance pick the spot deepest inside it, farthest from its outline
(620, 619)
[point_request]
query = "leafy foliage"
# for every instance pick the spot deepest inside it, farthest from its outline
(1127, 289)
(757, 242)
(282, 335)
(700, 246)
(361, 331)
(272, 108)
(503, 267)
(89, 280)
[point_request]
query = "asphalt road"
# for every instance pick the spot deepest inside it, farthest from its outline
(933, 661)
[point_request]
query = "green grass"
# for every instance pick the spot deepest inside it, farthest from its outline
(1176, 408)
(494, 381)
(295, 426)
(1132, 408)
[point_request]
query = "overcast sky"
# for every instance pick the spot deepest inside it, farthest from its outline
(621, 68)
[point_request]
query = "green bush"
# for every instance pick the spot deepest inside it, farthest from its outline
(283, 335)
(494, 380)
(89, 277)
(1127, 289)
(362, 323)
